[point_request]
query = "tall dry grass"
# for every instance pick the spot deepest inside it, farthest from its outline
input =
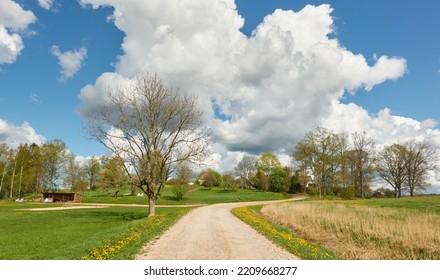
(360, 232)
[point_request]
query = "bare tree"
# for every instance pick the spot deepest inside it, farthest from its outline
(392, 167)
(420, 158)
(407, 166)
(361, 160)
(154, 129)
(184, 175)
(13, 177)
(229, 181)
(322, 152)
(208, 179)
(75, 176)
(246, 170)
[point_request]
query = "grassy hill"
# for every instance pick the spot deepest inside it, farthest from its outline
(196, 195)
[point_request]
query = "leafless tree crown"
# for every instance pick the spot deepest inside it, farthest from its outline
(153, 127)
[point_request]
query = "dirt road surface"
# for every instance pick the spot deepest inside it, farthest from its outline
(213, 233)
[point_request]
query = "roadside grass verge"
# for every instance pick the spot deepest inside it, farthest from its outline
(98, 233)
(196, 194)
(126, 244)
(393, 229)
(282, 237)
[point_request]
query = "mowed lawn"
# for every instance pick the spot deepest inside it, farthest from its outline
(100, 233)
(76, 234)
(195, 195)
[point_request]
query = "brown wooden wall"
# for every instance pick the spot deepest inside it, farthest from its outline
(63, 197)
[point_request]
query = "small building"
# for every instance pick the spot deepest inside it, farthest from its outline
(61, 197)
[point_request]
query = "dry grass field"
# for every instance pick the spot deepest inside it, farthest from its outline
(357, 231)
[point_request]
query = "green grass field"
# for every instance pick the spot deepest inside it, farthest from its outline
(419, 203)
(120, 232)
(74, 234)
(196, 195)
(101, 233)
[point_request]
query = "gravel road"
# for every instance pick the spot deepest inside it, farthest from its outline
(213, 233)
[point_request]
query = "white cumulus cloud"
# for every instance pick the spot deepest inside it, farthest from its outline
(13, 20)
(46, 4)
(259, 93)
(13, 135)
(10, 45)
(69, 61)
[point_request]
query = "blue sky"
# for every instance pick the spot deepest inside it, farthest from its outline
(410, 29)
(33, 89)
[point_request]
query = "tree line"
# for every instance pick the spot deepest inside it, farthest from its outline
(36, 168)
(325, 163)
(264, 173)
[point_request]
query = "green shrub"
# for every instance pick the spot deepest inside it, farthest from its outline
(347, 193)
(278, 180)
(295, 185)
(209, 178)
(180, 191)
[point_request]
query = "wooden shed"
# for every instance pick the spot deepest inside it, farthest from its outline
(61, 197)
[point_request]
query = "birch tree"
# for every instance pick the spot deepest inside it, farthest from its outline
(3, 164)
(54, 155)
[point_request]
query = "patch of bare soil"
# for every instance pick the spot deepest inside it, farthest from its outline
(62, 208)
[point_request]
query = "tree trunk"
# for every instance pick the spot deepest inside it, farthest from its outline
(151, 206)
(361, 181)
(12, 180)
(398, 191)
(3, 177)
(37, 183)
(21, 180)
